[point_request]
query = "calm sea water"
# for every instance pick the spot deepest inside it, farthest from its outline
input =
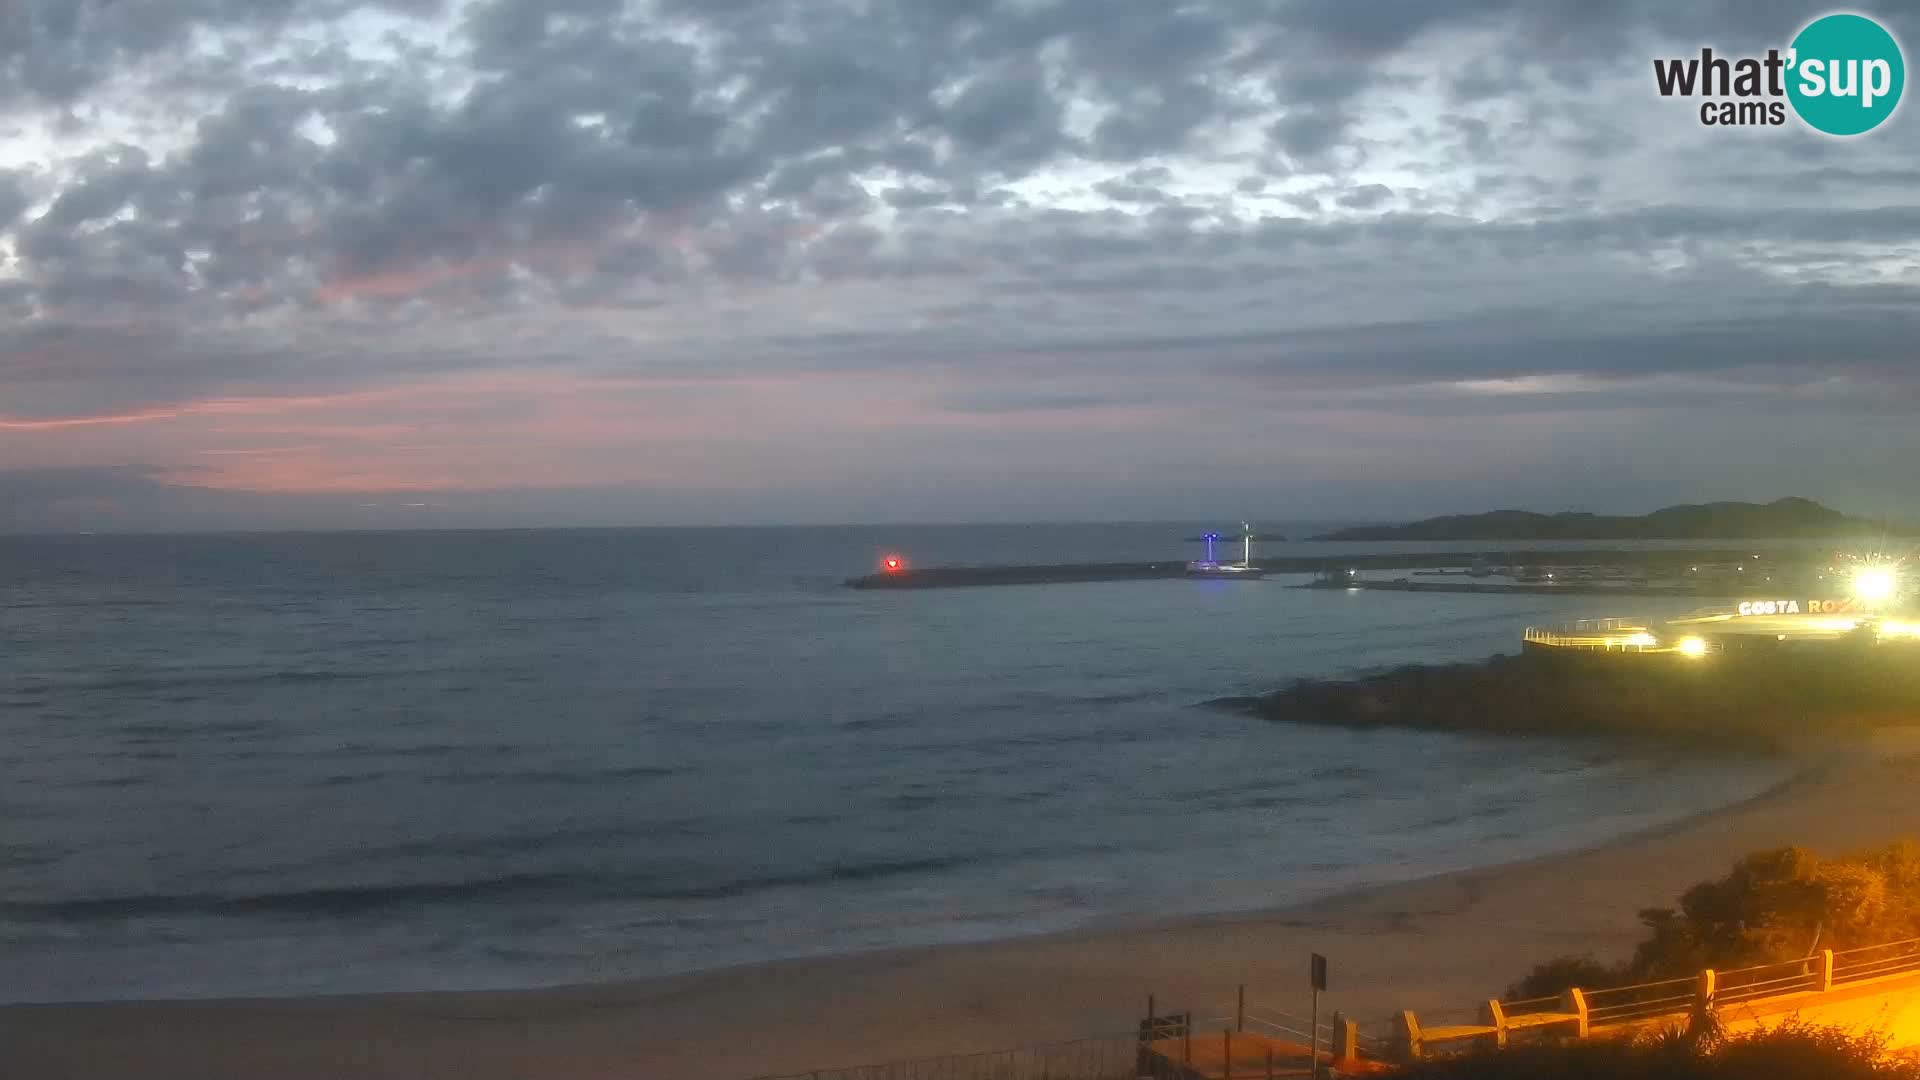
(321, 763)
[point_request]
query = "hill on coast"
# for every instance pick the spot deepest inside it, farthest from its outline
(1782, 519)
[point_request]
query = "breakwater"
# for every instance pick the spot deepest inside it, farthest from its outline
(1557, 588)
(1735, 700)
(938, 577)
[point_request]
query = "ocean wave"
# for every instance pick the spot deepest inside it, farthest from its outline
(1124, 697)
(585, 775)
(326, 900)
(1343, 772)
(159, 729)
(356, 750)
(366, 899)
(878, 723)
(157, 682)
(819, 875)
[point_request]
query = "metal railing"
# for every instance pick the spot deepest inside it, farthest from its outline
(1873, 961)
(1769, 980)
(1533, 1006)
(1266, 1019)
(1592, 634)
(1282, 1025)
(1643, 1001)
(1609, 635)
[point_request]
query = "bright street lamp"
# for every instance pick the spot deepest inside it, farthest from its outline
(1875, 584)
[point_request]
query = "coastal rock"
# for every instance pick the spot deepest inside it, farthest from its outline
(1747, 700)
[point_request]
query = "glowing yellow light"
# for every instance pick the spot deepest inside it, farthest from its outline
(1692, 646)
(1875, 583)
(1642, 639)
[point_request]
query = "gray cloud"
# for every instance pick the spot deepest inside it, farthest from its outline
(1115, 188)
(14, 199)
(72, 485)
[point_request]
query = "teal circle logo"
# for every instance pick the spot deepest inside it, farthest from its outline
(1847, 74)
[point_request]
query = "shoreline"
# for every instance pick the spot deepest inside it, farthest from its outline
(1441, 941)
(1090, 926)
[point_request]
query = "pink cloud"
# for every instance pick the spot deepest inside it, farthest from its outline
(524, 429)
(64, 423)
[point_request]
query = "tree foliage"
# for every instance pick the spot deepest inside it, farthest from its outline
(1775, 905)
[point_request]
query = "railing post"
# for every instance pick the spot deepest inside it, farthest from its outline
(1226, 1053)
(1149, 1034)
(1186, 1038)
(1576, 1003)
(1493, 1014)
(1703, 995)
(1269, 1061)
(1346, 1038)
(1826, 970)
(1407, 1034)
(1240, 1009)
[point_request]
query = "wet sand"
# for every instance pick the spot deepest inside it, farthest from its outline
(1442, 943)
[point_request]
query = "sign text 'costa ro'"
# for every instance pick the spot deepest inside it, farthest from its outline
(1798, 607)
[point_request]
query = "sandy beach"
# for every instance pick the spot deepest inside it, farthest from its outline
(1439, 943)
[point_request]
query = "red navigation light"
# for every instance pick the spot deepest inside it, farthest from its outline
(894, 564)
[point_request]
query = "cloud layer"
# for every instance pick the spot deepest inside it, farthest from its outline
(758, 260)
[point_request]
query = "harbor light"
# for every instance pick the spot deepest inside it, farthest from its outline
(1875, 584)
(1642, 640)
(893, 564)
(1692, 646)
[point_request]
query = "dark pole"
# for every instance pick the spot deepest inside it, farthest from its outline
(1313, 1038)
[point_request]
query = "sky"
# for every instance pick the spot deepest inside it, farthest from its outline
(324, 263)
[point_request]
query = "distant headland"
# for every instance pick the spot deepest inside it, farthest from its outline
(1782, 519)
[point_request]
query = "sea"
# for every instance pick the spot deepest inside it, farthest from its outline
(292, 764)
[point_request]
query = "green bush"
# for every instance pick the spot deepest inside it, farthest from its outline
(1559, 974)
(1785, 904)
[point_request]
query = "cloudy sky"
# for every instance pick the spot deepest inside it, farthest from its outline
(319, 262)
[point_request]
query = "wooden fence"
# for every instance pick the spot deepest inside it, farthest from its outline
(1612, 1011)
(1241, 1039)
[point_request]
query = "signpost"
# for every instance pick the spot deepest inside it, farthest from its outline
(1318, 974)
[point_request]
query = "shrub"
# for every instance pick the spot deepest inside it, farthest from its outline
(1781, 905)
(1563, 972)
(1775, 905)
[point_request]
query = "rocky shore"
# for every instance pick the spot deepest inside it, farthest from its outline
(1754, 699)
